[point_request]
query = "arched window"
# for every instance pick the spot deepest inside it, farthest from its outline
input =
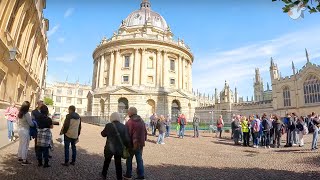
(311, 90)
(286, 97)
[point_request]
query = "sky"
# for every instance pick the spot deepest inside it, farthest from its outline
(228, 38)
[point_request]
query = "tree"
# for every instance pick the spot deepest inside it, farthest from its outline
(48, 101)
(312, 5)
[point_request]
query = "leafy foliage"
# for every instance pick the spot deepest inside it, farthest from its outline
(312, 5)
(48, 101)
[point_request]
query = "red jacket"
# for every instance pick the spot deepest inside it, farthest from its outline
(137, 132)
(185, 120)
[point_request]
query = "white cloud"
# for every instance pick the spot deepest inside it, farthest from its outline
(67, 58)
(61, 40)
(68, 12)
(237, 65)
(53, 30)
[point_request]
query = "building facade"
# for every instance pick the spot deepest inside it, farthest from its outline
(23, 51)
(142, 65)
(299, 93)
(66, 94)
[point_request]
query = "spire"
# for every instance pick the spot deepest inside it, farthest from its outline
(268, 87)
(272, 63)
(307, 55)
(145, 4)
(293, 68)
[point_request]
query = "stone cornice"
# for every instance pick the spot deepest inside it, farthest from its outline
(141, 41)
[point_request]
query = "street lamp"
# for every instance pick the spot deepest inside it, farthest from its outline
(13, 54)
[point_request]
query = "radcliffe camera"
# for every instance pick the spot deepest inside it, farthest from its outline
(159, 89)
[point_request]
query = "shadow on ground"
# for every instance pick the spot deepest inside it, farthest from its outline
(88, 167)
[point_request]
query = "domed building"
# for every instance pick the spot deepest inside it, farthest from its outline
(141, 65)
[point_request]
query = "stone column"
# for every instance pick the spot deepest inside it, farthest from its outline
(102, 64)
(179, 72)
(136, 68)
(111, 69)
(190, 76)
(159, 63)
(165, 71)
(117, 72)
(143, 67)
(98, 73)
(183, 86)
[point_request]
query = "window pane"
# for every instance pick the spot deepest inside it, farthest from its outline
(127, 61)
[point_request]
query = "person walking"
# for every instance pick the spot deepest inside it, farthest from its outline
(153, 123)
(245, 130)
(168, 125)
(11, 114)
(182, 122)
(289, 127)
(196, 123)
(256, 131)
(220, 125)
(71, 130)
(295, 131)
(35, 116)
(138, 136)
(316, 126)
(161, 127)
(24, 124)
(44, 136)
(236, 130)
(117, 137)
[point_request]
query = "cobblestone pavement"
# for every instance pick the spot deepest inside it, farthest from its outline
(188, 158)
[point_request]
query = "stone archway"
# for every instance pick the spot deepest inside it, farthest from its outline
(123, 106)
(151, 107)
(175, 110)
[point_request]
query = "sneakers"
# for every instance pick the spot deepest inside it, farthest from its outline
(163, 143)
(125, 177)
(24, 163)
(268, 147)
(65, 164)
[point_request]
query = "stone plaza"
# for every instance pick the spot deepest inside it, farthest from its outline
(204, 158)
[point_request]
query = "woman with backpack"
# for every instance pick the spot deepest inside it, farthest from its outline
(182, 122)
(302, 128)
(161, 126)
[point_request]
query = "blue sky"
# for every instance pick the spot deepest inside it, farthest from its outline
(228, 38)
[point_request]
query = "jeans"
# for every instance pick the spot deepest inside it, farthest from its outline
(266, 138)
(10, 129)
(301, 142)
(289, 137)
(181, 131)
(246, 138)
(160, 138)
(117, 163)
(315, 138)
(196, 131)
(24, 140)
(256, 138)
(295, 136)
(43, 152)
(219, 131)
(140, 167)
(67, 142)
(153, 127)
(277, 138)
(167, 131)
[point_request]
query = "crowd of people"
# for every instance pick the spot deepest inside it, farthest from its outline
(266, 131)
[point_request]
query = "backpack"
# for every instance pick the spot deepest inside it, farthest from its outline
(256, 126)
(266, 125)
(182, 121)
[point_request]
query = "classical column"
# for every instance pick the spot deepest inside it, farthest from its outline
(190, 76)
(102, 63)
(111, 68)
(98, 74)
(179, 72)
(158, 75)
(117, 72)
(143, 68)
(165, 70)
(183, 72)
(136, 68)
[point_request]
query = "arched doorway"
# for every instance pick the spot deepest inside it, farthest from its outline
(123, 106)
(151, 107)
(175, 110)
(102, 105)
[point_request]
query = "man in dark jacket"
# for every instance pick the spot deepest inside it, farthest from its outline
(35, 116)
(114, 145)
(71, 130)
(138, 136)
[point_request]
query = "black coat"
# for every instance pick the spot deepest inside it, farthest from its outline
(113, 144)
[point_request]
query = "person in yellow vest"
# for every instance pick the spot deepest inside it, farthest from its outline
(245, 130)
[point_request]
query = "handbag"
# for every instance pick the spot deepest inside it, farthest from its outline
(125, 153)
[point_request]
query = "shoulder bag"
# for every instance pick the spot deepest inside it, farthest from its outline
(125, 153)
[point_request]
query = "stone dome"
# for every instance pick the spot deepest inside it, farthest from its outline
(144, 16)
